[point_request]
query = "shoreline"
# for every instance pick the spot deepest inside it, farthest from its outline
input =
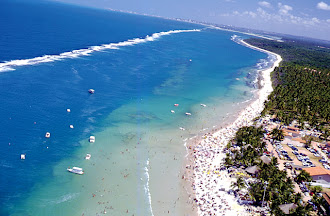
(204, 169)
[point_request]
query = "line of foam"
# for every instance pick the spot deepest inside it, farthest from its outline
(146, 187)
(9, 65)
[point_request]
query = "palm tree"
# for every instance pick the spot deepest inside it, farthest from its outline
(239, 183)
(303, 176)
(277, 134)
(326, 133)
(316, 189)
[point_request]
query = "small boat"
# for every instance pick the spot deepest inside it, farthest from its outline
(76, 170)
(176, 105)
(188, 114)
(172, 111)
(91, 91)
(71, 126)
(68, 110)
(47, 135)
(92, 139)
(181, 128)
(203, 105)
(88, 156)
(22, 156)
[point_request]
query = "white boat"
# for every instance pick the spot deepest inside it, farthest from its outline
(203, 105)
(181, 128)
(68, 110)
(172, 111)
(176, 105)
(189, 114)
(71, 126)
(22, 156)
(88, 156)
(91, 91)
(47, 135)
(92, 139)
(76, 170)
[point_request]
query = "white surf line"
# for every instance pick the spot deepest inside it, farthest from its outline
(246, 33)
(9, 65)
(208, 160)
(146, 187)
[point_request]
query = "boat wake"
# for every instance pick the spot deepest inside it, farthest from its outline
(10, 65)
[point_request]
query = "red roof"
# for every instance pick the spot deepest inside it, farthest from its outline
(315, 171)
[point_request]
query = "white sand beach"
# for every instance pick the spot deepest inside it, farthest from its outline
(210, 178)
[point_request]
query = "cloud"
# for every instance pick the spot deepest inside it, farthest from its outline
(323, 6)
(265, 4)
(315, 20)
(284, 9)
(282, 16)
(249, 13)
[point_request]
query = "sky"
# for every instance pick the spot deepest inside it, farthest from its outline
(310, 18)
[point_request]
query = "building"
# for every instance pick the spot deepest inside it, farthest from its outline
(319, 173)
(292, 128)
(291, 133)
(287, 208)
(326, 197)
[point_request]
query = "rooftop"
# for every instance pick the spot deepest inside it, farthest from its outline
(292, 128)
(326, 196)
(287, 207)
(313, 171)
(299, 140)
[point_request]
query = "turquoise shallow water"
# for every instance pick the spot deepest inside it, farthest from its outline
(139, 149)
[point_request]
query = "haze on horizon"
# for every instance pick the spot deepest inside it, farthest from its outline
(309, 18)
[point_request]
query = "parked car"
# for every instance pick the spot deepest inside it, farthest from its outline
(326, 166)
(323, 161)
(289, 159)
(305, 164)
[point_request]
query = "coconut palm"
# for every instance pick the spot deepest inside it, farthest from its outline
(303, 176)
(239, 184)
(277, 134)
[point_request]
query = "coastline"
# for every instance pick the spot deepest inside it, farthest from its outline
(206, 178)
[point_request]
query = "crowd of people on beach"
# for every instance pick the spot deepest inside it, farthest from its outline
(211, 180)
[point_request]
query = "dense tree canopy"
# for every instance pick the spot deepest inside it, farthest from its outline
(301, 83)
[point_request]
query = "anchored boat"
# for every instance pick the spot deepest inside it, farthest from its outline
(76, 170)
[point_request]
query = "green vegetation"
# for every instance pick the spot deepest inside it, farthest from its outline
(301, 83)
(303, 176)
(247, 154)
(245, 150)
(301, 92)
(303, 53)
(277, 134)
(239, 184)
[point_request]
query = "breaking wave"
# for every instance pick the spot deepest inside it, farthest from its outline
(9, 65)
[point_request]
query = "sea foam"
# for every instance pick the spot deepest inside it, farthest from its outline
(9, 65)
(146, 187)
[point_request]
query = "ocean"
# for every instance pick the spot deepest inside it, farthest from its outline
(139, 66)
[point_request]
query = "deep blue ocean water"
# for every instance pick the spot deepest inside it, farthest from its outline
(184, 67)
